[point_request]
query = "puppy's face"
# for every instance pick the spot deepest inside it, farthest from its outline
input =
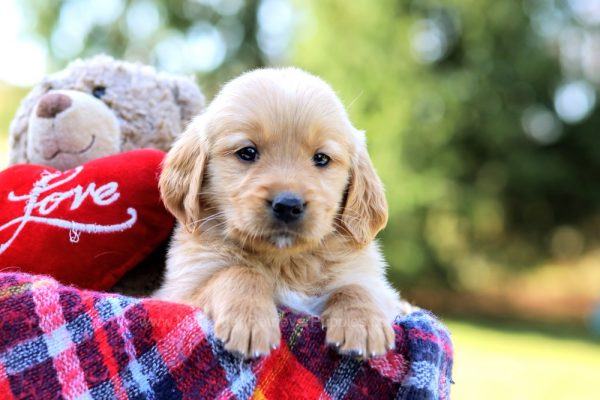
(279, 169)
(277, 162)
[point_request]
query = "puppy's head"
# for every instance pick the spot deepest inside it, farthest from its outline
(277, 162)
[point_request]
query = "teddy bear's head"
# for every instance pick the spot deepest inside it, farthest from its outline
(99, 107)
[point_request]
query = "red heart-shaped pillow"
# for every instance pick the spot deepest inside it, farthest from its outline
(86, 226)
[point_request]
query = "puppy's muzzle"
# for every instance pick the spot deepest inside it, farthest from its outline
(287, 207)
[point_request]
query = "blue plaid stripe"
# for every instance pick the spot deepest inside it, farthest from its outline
(152, 366)
(104, 309)
(103, 391)
(112, 307)
(339, 382)
(81, 328)
(25, 355)
(426, 359)
(242, 380)
(158, 374)
(135, 382)
(423, 375)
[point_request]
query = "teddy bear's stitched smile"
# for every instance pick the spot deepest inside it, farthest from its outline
(60, 151)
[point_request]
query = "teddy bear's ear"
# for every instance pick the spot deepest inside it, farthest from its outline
(189, 98)
(17, 139)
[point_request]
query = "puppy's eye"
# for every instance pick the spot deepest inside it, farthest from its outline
(99, 91)
(321, 159)
(247, 154)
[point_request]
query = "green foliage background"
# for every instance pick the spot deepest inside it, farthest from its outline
(468, 190)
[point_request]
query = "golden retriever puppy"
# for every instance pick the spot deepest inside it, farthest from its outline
(278, 204)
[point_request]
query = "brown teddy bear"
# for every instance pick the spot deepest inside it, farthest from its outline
(99, 107)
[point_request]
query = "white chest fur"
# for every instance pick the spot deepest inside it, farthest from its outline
(301, 302)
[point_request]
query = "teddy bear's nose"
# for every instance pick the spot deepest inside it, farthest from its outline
(52, 104)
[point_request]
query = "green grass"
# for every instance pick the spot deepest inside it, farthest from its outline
(506, 363)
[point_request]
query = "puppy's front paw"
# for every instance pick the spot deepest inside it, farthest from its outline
(248, 331)
(357, 331)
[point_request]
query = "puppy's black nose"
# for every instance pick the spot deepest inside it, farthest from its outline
(287, 207)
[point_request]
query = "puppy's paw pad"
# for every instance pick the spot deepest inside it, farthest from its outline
(249, 335)
(381, 338)
(362, 336)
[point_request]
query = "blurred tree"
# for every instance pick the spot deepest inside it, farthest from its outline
(486, 141)
(217, 39)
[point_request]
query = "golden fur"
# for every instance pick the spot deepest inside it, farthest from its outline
(230, 258)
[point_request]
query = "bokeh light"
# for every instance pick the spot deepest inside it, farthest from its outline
(205, 47)
(541, 125)
(30, 66)
(586, 11)
(429, 41)
(574, 101)
(143, 19)
(275, 19)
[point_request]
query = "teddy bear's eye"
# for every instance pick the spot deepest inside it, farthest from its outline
(99, 92)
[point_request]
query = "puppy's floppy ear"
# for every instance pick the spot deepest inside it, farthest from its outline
(183, 170)
(365, 210)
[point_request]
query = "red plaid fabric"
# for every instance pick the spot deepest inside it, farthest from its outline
(58, 342)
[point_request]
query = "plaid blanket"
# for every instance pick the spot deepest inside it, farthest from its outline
(62, 342)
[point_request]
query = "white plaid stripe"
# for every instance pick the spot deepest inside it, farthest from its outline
(58, 340)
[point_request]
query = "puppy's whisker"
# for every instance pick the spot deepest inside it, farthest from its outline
(211, 209)
(243, 238)
(339, 222)
(354, 100)
(209, 218)
(255, 235)
(352, 216)
(203, 221)
(349, 211)
(215, 227)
